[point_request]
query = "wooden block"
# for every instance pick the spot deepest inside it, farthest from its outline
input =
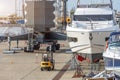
(96, 79)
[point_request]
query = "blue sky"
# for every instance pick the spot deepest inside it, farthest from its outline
(8, 6)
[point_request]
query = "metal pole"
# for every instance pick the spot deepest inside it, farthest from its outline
(23, 9)
(78, 3)
(111, 4)
(17, 43)
(9, 42)
(15, 7)
(64, 13)
(114, 64)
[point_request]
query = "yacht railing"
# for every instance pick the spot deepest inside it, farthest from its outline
(94, 5)
(91, 25)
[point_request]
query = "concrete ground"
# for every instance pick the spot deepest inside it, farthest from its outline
(26, 66)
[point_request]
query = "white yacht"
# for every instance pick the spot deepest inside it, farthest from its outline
(112, 54)
(90, 26)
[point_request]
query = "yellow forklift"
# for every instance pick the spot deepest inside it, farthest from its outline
(47, 62)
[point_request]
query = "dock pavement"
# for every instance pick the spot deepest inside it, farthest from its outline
(26, 66)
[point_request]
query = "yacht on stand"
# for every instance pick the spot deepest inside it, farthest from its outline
(91, 25)
(112, 54)
(111, 58)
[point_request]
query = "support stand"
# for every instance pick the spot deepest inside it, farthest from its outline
(76, 65)
(9, 51)
(17, 48)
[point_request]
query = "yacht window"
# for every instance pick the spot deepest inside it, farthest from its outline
(115, 44)
(72, 39)
(115, 40)
(92, 17)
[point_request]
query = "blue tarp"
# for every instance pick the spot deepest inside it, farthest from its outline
(21, 21)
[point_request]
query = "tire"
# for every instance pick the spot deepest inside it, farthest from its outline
(53, 64)
(48, 48)
(41, 69)
(57, 46)
(53, 48)
(49, 69)
(53, 67)
(36, 47)
(24, 49)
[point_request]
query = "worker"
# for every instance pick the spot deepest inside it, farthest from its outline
(45, 57)
(106, 45)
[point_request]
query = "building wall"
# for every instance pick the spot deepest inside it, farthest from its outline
(29, 13)
(40, 14)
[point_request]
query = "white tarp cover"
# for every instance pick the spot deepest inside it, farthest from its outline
(13, 31)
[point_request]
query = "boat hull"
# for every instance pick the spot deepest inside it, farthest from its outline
(90, 45)
(94, 58)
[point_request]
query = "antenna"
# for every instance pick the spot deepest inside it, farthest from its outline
(15, 7)
(111, 4)
(78, 3)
